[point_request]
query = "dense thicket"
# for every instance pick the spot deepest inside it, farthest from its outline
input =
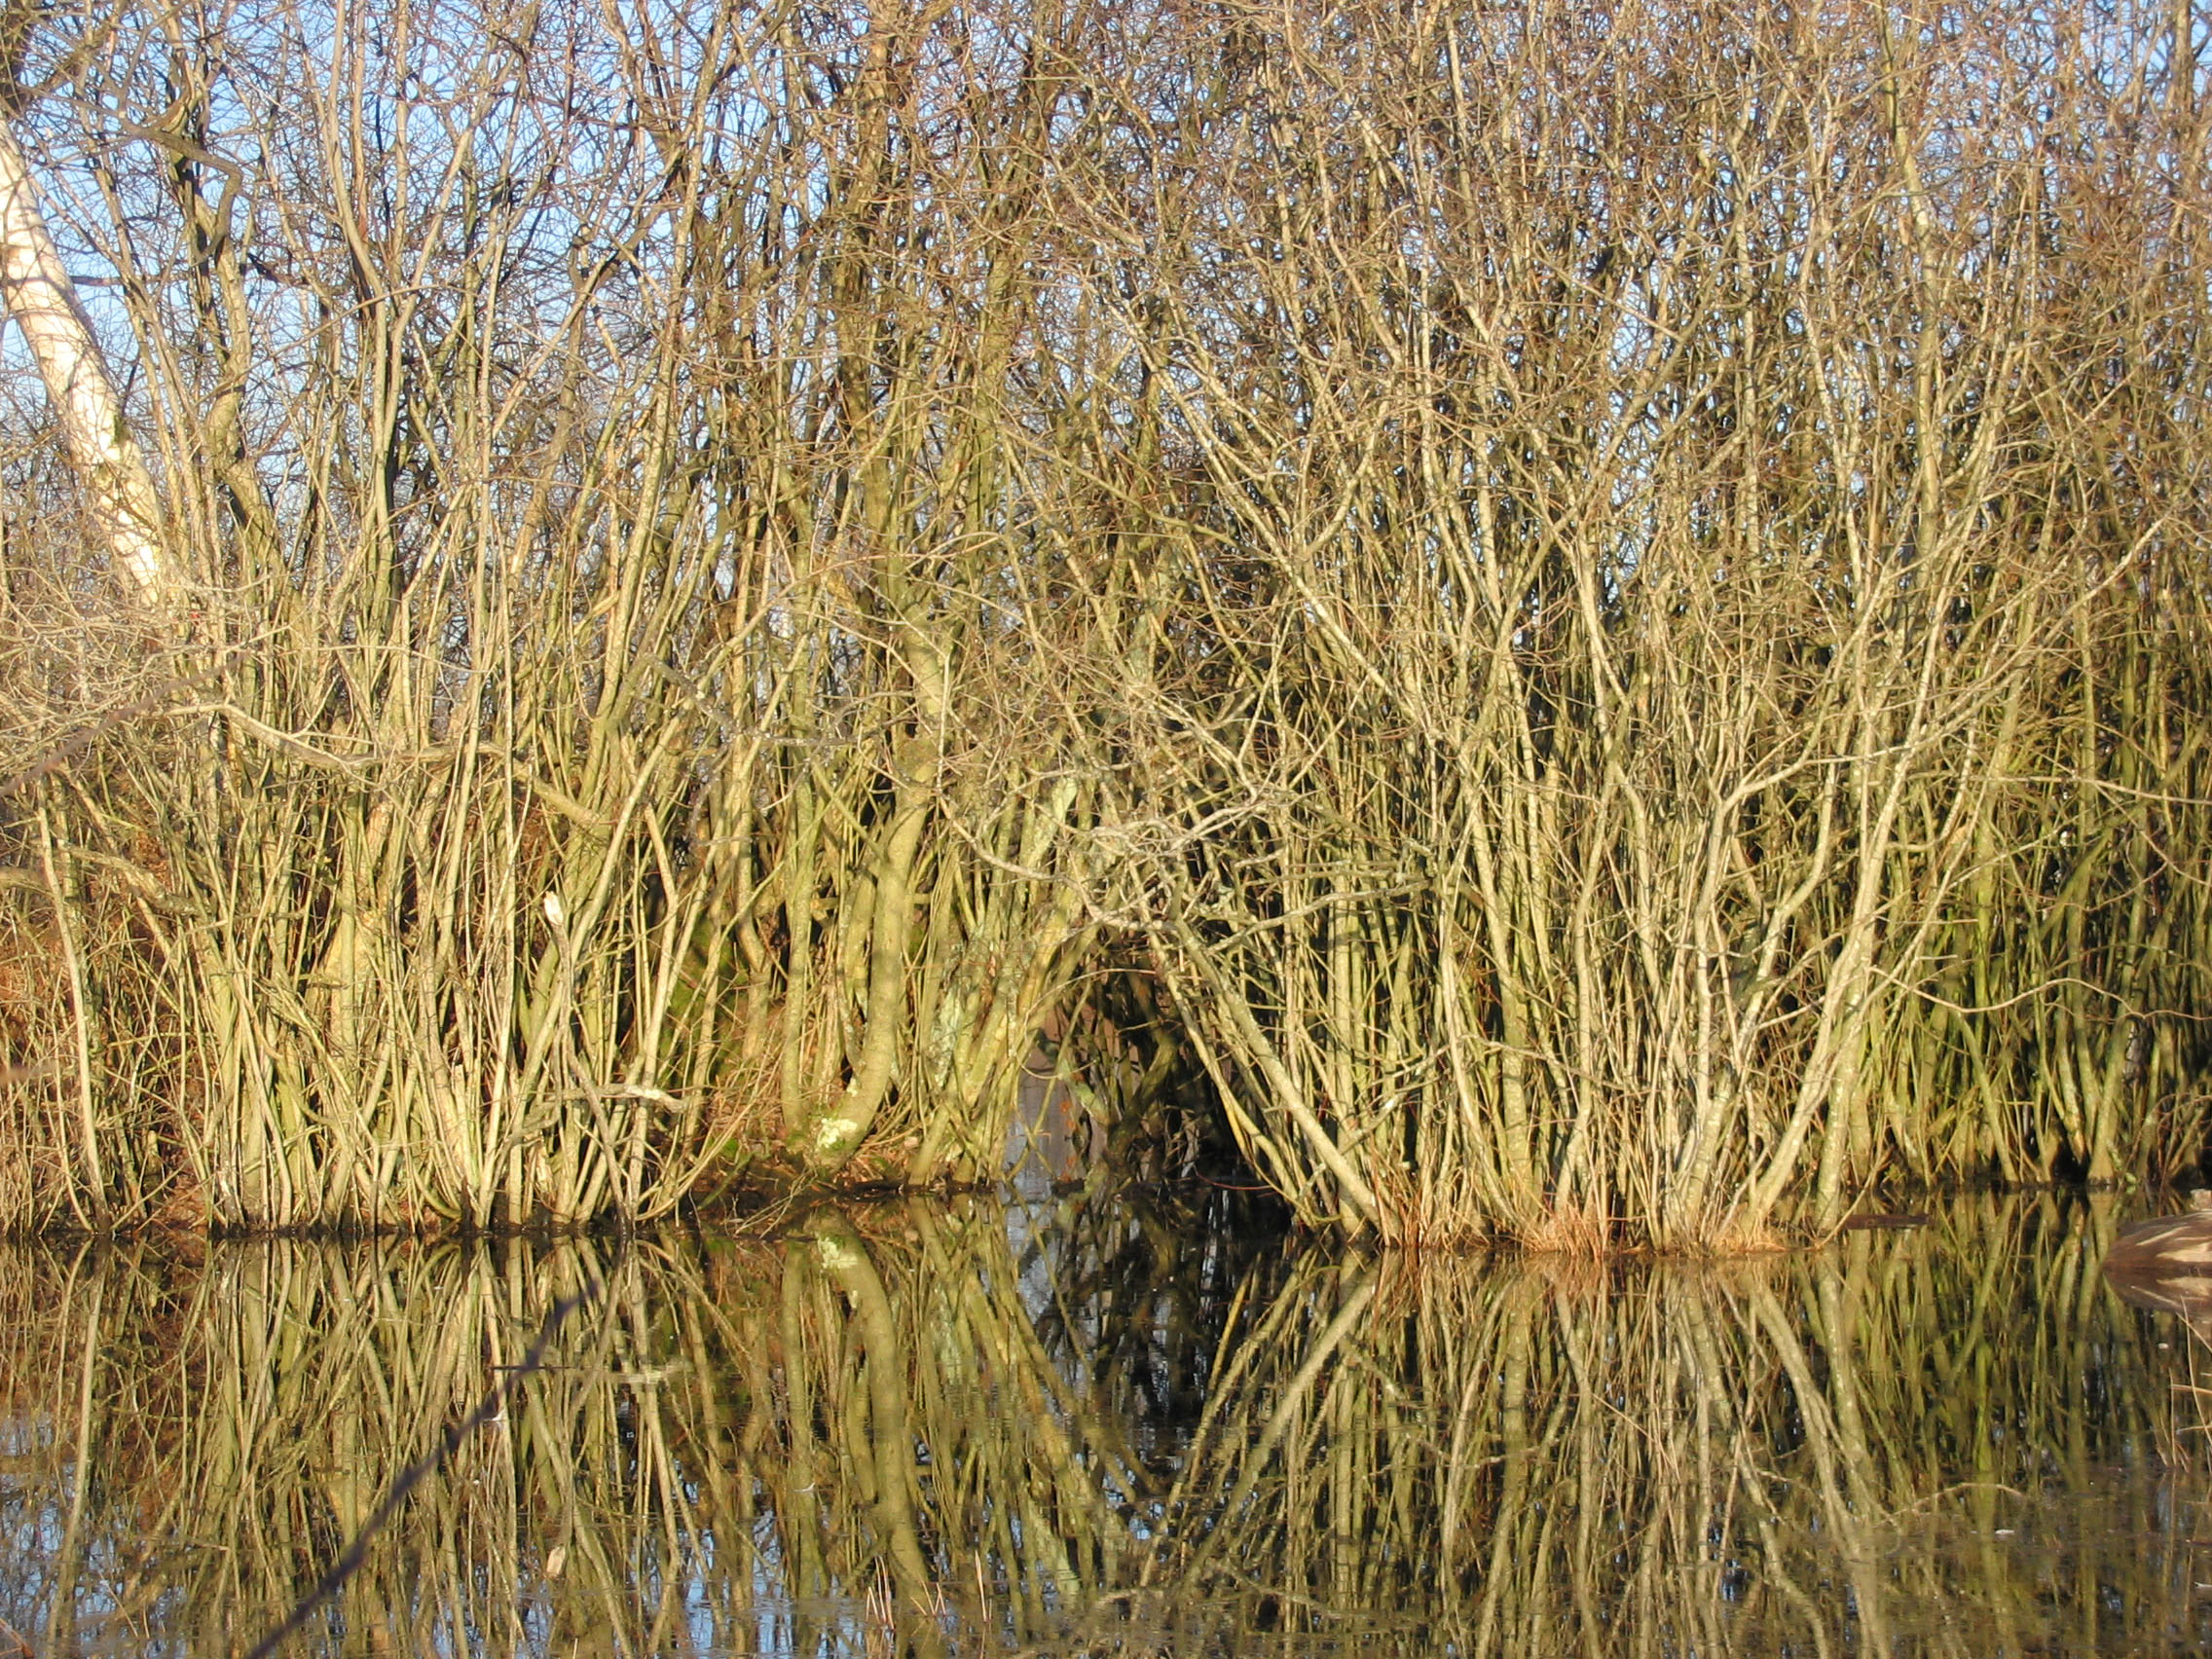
(1594, 614)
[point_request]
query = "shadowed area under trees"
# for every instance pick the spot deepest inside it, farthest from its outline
(1576, 622)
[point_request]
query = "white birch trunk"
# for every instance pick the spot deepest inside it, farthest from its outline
(39, 296)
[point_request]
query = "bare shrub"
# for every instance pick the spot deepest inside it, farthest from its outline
(1596, 613)
(1686, 602)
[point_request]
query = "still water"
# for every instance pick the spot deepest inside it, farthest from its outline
(1093, 1424)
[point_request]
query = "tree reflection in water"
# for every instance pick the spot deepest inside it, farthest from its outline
(942, 1429)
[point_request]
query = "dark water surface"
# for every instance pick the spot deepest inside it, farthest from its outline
(1107, 1426)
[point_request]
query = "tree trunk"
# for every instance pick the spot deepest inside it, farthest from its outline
(39, 296)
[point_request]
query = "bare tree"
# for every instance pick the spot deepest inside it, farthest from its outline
(39, 296)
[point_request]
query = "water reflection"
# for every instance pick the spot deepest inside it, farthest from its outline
(1106, 1430)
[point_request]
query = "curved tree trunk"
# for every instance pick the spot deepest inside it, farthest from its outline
(38, 294)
